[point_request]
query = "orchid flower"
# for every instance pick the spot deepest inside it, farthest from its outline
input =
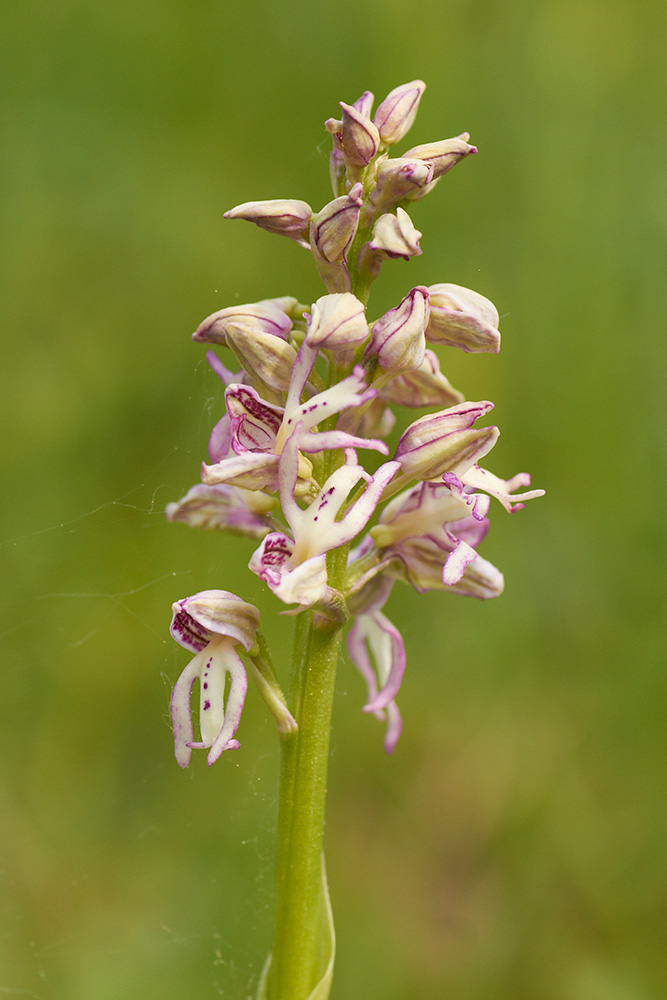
(211, 624)
(433, 511)
(295, 568)
(443, 442)
(319, 528)
(258, 429)
(444, 446)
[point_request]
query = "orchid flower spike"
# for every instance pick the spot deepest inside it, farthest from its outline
(318, 383)
(211, 624)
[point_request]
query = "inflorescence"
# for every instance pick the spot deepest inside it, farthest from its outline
(317, 385)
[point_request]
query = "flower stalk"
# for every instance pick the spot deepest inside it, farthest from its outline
(298, 962)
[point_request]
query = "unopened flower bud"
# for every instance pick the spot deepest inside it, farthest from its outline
(396, 114)
(444, 442)
(284, 216)
(398, 179)
(397, 338)
(337, 321)
(256, 333)
(268, 360)
(333, 228)
(463, 318)
(395, 235)
(443, 155)
(355, 134)
(265, 318)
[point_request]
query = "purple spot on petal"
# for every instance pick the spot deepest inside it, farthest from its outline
(207, 704)
(205, 685)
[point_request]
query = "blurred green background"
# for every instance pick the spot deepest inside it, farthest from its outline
(514, 847)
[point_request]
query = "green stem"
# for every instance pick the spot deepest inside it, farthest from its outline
(302, 927)
(360, 283)
(297, 946)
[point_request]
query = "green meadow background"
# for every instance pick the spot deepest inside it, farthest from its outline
(514, 848)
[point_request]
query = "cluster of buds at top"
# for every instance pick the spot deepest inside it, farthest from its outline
(367, 221)
(318, 384)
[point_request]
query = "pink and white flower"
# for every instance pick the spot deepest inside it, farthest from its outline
(258, 430)
(295, 568)
(211, 624)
